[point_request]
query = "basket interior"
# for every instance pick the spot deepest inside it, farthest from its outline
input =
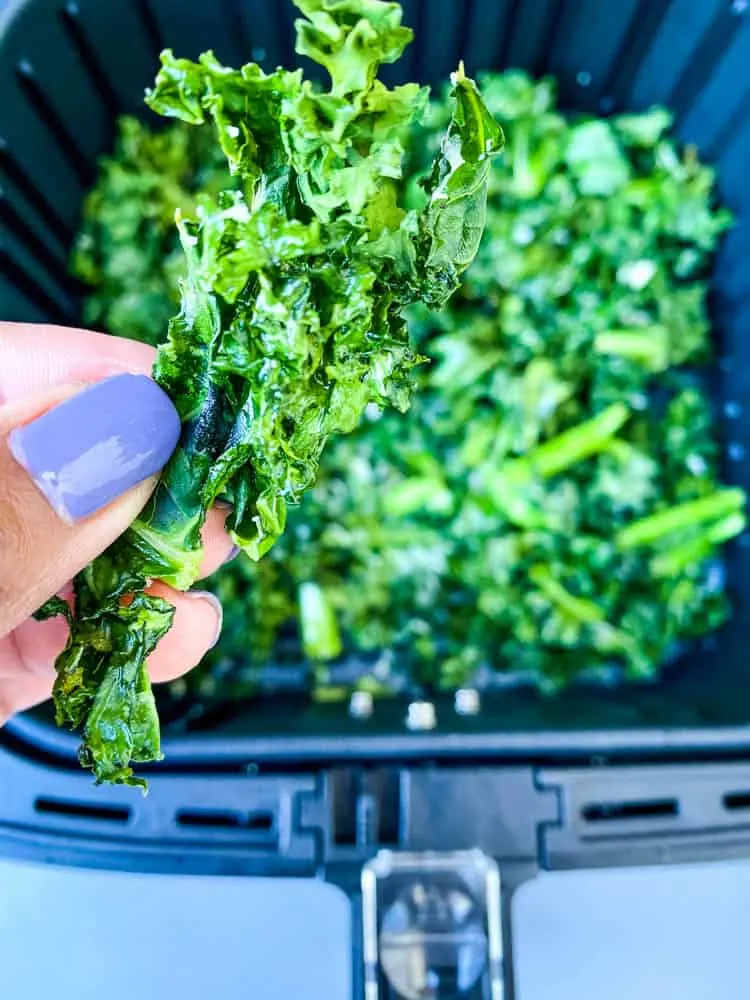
(68, 69)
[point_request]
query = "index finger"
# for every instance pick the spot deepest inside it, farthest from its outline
(36, 356)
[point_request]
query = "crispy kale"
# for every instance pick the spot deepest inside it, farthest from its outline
(551, 505)
(128, 251)
(290, 324)
(496, 531)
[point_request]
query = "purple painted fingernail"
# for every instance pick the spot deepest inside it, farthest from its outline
(92, 448)
(213, 600)
(233, 553)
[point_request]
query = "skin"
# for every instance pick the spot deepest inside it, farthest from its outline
(39, 554)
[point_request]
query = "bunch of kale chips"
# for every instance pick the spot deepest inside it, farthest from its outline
(551, 505)
(129, 252)
(290, 324)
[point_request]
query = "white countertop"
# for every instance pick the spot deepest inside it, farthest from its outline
(676, 933)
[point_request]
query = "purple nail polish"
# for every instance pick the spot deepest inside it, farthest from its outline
(213, 600)
(233, 553)
(96, 445)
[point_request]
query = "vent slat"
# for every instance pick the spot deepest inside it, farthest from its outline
(55, 310)
(645, 24)
(608, 812)
(150, 26)
(81, 810)
(33, 196)
(47, 113)
(53, 265)
(88, 58)
(258, 822)
(706, 56)
(736, 801)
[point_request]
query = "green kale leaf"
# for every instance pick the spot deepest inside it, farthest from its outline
(127, 251)
(291, 323)
(533, 517)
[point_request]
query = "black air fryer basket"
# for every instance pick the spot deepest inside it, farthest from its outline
(285, 785)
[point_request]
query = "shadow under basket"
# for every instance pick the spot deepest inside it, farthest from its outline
(68, 69)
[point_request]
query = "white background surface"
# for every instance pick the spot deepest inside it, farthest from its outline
(70, 934)
(678, 933)
(672, 933)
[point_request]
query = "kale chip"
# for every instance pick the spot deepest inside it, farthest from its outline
(291, 323)
(551, 506)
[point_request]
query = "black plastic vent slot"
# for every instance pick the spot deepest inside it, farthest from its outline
(150, 26)
(46, 112)
(608, 812)
(736, 801)
(88, 57)
(216, 819)
(13, 170)
(82, 810)
(62, 311)
(366, 807)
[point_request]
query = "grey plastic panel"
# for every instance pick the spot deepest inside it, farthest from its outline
(87, 935)
(66, 66)
(669, 933)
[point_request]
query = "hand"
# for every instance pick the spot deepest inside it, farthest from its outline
(83, 433)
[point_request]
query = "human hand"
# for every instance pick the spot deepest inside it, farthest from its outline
(83, 434)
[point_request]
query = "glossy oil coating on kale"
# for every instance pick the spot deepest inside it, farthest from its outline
(551, 507)
(291, 322)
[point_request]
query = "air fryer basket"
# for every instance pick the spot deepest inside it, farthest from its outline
(67, 70)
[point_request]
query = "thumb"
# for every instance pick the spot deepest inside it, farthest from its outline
(76, 468)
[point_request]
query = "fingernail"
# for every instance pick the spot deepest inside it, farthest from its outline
(233, 553)
(213, 600)
(96, 445)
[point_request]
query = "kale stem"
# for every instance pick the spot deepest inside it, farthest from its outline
(651, 529)
(321, 638)
(607, 638)
(584, 611)
(525, 184)
(648, 345)
(622, 451)
(667, 564)
(571, 446)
